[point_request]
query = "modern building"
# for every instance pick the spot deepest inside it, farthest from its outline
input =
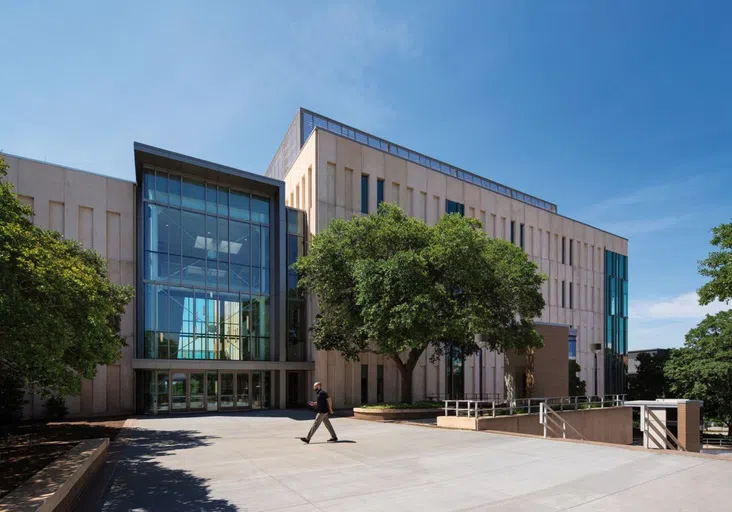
(333, 170)
(217, 322)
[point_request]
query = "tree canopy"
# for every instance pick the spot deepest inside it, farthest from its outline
(718, 267)
(702, 369)
(649, 382)
(390, 284)
(60, 314)
(577, 387)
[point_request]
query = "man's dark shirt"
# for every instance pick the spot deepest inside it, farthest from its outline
(322, 402)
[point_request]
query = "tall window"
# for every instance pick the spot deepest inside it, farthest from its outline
(364, 383)
(571, 296)
(380, 383)
(206, 270)
(564, 253)
(379, 191)
(564, 291)
(572, 343)
(454, 207)
(513, 232)
(296, 320)
(364, 194)
(521, 235)
(571, 252)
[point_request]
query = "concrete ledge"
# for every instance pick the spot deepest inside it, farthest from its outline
(54, 487)
(360, 413)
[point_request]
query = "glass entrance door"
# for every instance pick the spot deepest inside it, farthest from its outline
(163, 398)
(212, 391)
(242, 391)
(196, 393)
(178, 391)
(293, 389)
(227, 391)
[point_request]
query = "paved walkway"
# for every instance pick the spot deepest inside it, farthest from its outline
(253, 462)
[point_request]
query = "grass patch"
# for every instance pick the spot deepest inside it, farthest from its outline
(401, 405)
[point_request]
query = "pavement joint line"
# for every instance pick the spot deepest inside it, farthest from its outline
(636, 485)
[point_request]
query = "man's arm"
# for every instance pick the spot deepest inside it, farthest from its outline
(330, 405)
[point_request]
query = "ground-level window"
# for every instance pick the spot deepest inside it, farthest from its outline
(364, 383)
(380, 383)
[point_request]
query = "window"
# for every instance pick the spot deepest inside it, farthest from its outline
(454, 207)
(573, 343)
(364, 383)
(364, 194)
(571, 296)
(380, 383)
(571, 252)
(564, 243)
(513, 231)
(379, 192)
(564, 291)
(521, 236)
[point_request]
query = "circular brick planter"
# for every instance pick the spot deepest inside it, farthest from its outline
(395, 414)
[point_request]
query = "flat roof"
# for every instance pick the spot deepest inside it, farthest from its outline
(372, 141)
(68, 168)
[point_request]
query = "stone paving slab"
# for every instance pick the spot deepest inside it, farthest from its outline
(254, 462)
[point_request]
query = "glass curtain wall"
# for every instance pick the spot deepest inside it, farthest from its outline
(206, 270)
(616, 327)
(296, 327)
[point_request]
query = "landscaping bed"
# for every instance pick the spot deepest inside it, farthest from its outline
(399, 411)
(27, 448)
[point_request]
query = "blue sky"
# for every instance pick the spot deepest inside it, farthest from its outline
(619, 112)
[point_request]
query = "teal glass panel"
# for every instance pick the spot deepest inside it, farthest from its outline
(174, 190)
(148, 185)
(223, 202)
(260, 209)
(194, 195)
(239, 243)
(239, 205)
(161, 187)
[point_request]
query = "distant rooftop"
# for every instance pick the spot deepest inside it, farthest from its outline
(310, 120)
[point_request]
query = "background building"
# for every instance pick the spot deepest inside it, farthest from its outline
(217, 322)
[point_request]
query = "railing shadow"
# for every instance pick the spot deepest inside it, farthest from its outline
(141, 482)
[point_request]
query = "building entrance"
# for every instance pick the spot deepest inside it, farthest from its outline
(174, 391)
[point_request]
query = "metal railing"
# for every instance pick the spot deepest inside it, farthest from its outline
(555, 424)
(493, 408)
(717, 441)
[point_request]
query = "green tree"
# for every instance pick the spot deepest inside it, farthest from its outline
(577, 387)
(718, 266)
(60, 314)
(390, 284)
(702, 369)
(649, 382)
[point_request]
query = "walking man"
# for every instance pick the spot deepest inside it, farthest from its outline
(323, 406)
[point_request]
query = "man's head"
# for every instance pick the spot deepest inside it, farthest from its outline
(317, 386)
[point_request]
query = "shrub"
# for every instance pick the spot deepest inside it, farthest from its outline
(12, 396)
(56, 408)
(415, 405)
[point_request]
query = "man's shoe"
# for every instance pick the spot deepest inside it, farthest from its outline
(305, 440)
(333, 440)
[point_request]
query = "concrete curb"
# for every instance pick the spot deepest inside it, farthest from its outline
(54, 487)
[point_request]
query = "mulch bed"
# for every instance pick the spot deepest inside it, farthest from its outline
(27, 448)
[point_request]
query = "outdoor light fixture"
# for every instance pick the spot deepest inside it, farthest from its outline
(596, 347)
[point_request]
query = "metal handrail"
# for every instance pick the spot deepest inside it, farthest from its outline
(545, 417)
(493, 408)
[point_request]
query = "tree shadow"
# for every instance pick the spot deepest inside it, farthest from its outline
(140, 482)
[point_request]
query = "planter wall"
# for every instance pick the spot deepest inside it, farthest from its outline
(395, 414)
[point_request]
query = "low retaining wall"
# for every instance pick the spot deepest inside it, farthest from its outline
(395, 414)
(608, 425)
(54, 487)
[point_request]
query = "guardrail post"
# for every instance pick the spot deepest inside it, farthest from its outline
(493, 406)
(529, 406)
(445, 407)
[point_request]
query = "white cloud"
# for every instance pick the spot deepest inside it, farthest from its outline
(664, 322)
(644, 225)
(684, 306)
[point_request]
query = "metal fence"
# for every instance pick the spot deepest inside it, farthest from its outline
(493, 408)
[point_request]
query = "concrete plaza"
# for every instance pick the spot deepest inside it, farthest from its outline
(252, 462)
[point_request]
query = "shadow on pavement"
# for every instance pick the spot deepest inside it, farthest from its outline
(141, 483)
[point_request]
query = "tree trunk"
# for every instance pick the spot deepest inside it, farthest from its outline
(405, 371)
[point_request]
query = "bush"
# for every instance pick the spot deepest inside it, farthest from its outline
(415, 405)
(56, 408)
(12, 396)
